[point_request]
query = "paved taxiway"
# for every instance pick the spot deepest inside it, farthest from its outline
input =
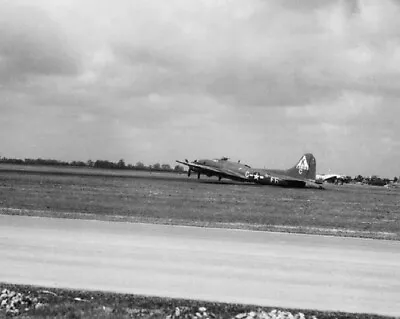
(271, 269)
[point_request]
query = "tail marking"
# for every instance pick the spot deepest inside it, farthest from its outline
(303, 165)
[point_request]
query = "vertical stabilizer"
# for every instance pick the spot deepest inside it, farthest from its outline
(305, 168)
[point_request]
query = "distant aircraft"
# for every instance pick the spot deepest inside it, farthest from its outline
(301, 175)
(331, 178)
(392, 185)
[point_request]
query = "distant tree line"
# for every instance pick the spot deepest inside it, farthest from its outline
(370, 180)
(374, 180)
(95, 164)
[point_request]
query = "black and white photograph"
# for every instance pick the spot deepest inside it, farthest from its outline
(186, 159)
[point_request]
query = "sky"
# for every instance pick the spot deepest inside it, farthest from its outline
(155, 81)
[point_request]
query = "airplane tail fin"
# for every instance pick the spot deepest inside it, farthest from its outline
(305, 168)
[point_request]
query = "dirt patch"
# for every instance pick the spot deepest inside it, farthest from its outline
(61, 303)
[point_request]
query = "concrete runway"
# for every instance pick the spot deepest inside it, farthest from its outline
(271, 269)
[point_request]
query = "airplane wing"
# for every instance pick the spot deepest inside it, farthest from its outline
(201, 167)
(214, 171)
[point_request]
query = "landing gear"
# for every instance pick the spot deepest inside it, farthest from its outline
(219, 178)
(198, 175)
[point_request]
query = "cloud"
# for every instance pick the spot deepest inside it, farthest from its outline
(242, 61)
(350, 105)
(31, 44)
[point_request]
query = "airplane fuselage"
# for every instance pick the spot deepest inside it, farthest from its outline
(244, 172)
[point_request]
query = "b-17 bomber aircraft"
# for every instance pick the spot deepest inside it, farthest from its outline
(303, 174)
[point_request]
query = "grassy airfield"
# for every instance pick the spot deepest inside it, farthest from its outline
(166, 198)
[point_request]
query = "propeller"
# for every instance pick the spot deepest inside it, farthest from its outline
(189, 170)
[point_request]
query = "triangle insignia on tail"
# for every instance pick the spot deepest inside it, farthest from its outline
(302, 165)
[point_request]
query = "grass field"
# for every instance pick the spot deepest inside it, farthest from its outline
(349, 210)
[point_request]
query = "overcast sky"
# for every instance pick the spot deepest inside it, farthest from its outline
(156, 80)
